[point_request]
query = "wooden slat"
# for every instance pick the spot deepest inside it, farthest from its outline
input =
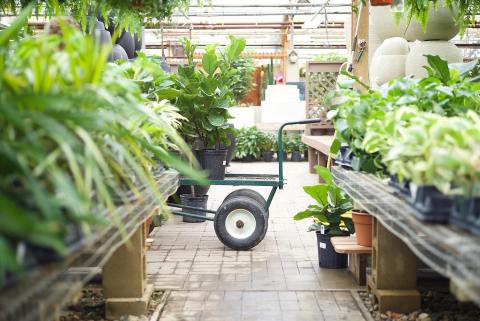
(320, 143)
(348, 245)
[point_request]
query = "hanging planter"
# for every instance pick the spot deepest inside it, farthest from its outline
(380, 2)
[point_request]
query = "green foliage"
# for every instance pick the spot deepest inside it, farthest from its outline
(249, 142)
(332, 205)
(76, 136)
(268, 142)
(330, 57)
(206, 94)
(242, 82)
(127, 13)
(446, 91)
(463, 12)
(293, 142)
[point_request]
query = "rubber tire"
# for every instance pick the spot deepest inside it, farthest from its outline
(254, 195)
(250, 193)
(246, 203)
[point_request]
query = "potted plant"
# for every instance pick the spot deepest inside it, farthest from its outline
(268, 146)
(363, 227)
(249, 144)
(205, 96)
(331, 218)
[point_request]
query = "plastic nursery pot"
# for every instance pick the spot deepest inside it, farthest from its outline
(213, 161)
(363, 227)
(285, 156)
(233, 145)
(194, 201)
(327, 257)
(345, 157)
(268, 156)
(401, 186)
(430, 204)
(465, 213)
(380, 2)
(296, 156)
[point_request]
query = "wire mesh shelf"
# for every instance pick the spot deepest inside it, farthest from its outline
(449, 250)
(42, 294)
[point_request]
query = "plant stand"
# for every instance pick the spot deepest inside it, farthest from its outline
(358, 256)
(124, 279)
(318, 150)
(393, 281)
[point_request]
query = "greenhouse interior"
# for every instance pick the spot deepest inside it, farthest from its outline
(215, 160)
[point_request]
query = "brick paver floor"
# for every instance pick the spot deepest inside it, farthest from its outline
(277, 280)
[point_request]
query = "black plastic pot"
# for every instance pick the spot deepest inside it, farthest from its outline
(285, 156)
(194, 201)
(296, 156)
(213, 161)
(465, 213)
(268, 156)
(233, 145)
(186, 189)
(248, 159)
(345, 157)
(305, 155)
(430, 203)
(403, 187)
(327, 257)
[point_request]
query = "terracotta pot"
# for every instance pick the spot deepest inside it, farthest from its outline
(380, 2)
(363, 228)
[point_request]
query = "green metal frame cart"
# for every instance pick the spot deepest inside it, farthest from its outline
(241, 221)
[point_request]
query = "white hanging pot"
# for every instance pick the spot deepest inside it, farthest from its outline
(416, 58)
(384, 25)
(389, 61)
(440, 25)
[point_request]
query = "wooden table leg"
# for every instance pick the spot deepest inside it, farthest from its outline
(312, 159)
(124, 279)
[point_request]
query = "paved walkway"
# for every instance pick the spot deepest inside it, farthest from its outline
(277, 280)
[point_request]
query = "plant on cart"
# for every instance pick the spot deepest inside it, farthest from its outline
(204, 100)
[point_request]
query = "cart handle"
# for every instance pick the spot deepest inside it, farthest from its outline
(280, 144)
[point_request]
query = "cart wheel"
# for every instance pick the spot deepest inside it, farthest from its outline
(240, 223)
(250, 193)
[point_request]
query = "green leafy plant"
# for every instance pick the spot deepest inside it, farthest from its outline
(75, 137)
(332, 207)
(128, 14)
(249, 142)
(206, 93)
(268, 142)
(330, 57)
(242, 82)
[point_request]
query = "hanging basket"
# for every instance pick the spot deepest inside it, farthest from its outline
(380, 2)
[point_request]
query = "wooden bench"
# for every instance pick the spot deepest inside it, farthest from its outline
(318, 150)
(358, 256)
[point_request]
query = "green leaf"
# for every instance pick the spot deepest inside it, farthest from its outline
(325, 174)
(216, 120)
(210, 63)
(318, 193)
(439, 68)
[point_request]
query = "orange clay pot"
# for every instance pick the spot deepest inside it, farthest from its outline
(380, 2)
(363, 228)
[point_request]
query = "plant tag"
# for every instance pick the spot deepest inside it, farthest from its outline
(224, 163)
(323, 245)
(322, 229)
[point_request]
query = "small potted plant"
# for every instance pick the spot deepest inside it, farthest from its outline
(331, 218)
(268, 146)
(249, 142)
(296, 153)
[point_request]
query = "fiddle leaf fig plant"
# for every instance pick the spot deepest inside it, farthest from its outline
(206, 93)
(331, 208)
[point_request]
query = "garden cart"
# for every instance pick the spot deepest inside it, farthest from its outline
(241, 221)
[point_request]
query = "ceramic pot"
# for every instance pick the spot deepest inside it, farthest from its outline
(440, 26)
(363, 227)
(389, 61)
(128, 43)
(384, 25)
(118, 53)
(416, 58)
